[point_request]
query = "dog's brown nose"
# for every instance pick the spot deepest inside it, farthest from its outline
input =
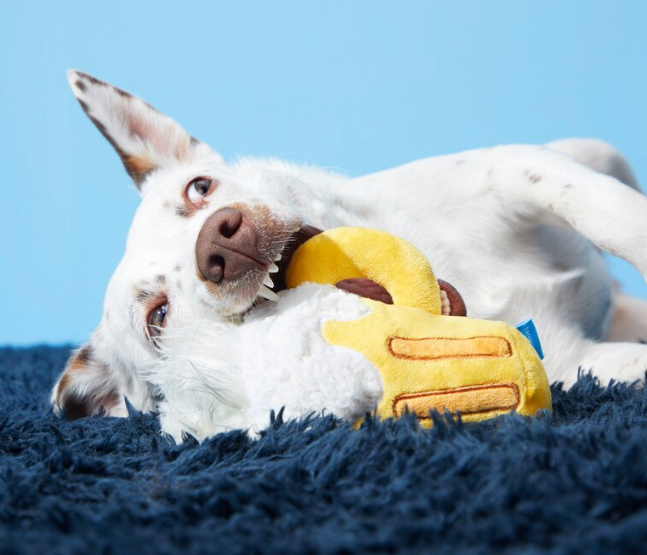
(227, 246)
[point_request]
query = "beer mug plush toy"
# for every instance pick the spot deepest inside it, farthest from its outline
(363, 327)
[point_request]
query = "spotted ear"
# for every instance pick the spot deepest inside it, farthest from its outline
(86, 387)
(144, 138)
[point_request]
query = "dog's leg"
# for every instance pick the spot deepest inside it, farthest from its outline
(629, 319)
(544, 186)
(622, 362)
(599, 156)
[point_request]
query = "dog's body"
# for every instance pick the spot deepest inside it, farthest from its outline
(514, 228)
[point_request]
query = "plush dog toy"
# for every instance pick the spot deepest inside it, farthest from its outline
(320, 349)
(425, 360)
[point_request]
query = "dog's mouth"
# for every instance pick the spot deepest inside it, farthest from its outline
(452, 303)
(274, 281)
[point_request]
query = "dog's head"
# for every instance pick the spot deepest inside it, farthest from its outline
(209, 240)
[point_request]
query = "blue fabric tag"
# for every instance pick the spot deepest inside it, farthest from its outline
(529, 331)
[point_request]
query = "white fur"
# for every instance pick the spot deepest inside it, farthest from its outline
(216, 376)
(513, 228)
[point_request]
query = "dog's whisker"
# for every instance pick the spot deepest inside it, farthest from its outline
(193, 339)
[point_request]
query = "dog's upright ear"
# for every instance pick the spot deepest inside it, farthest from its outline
(87, 387)
(144, 138)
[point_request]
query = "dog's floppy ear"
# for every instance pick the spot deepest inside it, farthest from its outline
(86, 387)
(144, 138)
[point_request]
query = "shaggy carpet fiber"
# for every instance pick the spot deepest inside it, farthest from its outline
(571, 482)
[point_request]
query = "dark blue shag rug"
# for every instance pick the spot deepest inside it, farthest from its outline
(574, 482)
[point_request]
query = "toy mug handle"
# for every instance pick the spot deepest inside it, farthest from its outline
(353, 252)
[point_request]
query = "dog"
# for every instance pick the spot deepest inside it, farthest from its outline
(516, 229)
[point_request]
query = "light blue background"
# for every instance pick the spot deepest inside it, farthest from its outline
(359, 85)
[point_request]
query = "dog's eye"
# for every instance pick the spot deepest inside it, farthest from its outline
(156, 319)
(197, 190)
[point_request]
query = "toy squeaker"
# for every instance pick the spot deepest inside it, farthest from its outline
(426, 360)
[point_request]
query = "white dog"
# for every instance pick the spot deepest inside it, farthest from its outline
(514, 228)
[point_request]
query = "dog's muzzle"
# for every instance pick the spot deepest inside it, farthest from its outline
(226, 248)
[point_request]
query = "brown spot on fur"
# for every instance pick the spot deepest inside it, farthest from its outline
(182, 211)
(137, 168)
(142, 295)
(76, 406)
(62, 386)
(79, 360)
(85, 354)
(533, 177)
(177, 268)
(161, 279)
(181, 150)
(81, 85)
(93, 80)
(139, 127)
(100, 83)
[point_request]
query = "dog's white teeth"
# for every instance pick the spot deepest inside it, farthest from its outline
(268, 281)
(277, 257)
(268, 294)
(273, 268)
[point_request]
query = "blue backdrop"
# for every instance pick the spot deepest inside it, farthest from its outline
(358, 86)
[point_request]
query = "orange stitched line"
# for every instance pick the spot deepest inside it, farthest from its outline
(512, 386)
(407, 357)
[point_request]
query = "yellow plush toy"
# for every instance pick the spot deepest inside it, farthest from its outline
(426, 360)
